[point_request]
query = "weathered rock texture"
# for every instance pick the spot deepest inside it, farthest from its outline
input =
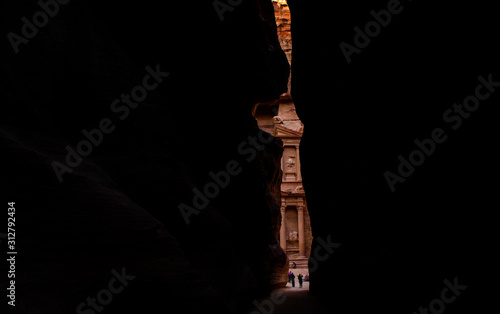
(280, 119)
(283, 22)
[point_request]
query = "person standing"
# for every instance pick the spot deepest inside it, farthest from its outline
(293, 280)
(289, 276)
(300, 280)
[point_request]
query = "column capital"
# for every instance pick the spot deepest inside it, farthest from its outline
(300, 208)
(283, 208)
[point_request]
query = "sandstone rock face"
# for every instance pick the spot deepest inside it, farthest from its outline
(118, 206)
(284, 23)
(280, 118)
(270, 160)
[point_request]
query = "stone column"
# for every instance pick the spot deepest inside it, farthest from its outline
(297, 163)
(283, 229)
(302, 240)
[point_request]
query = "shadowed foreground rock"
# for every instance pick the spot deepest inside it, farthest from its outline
(398, 248)
(118, 207)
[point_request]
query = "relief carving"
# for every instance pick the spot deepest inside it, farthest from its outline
(277, 120)
(290, 163)
(293, 236)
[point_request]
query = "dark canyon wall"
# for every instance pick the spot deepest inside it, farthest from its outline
(397, 248)
(187, 126)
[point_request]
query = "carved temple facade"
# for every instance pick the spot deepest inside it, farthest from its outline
(280, 119)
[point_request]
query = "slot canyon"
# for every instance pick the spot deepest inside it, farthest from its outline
(186, 156)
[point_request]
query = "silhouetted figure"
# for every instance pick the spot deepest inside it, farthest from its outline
(290, 276)
(300, 280)
(294, 265)
(293, 280)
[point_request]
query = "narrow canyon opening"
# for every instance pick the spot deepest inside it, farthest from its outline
(160, 155)
(279, 118)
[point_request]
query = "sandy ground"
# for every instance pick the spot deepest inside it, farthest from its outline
(297, 301)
